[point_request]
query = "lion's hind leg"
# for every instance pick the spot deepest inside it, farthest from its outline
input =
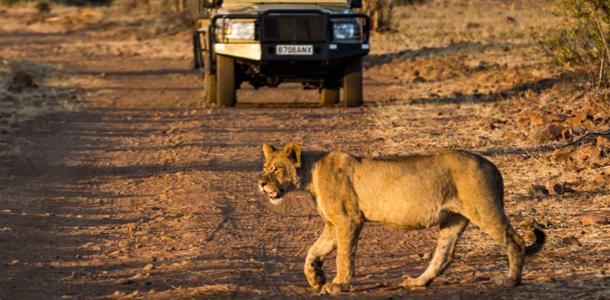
(450, 232)
(500, 230)
(325, 244)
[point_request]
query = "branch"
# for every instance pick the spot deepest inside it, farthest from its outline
(588, 135)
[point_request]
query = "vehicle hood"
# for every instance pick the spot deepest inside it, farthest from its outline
(253, 8)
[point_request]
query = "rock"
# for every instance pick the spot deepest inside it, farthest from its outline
(555, 131)
(20, 81)
(148, 267)
(125, 281)
(563, 154)
(570, 241)
(595, 218)
(550, 133)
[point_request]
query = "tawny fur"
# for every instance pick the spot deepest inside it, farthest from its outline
(447, 189)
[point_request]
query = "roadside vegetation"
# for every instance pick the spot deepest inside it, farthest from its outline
(581, 42)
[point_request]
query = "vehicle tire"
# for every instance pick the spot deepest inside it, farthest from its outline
(225, 81)
(351, 91)
(209, 84)
(329, 93)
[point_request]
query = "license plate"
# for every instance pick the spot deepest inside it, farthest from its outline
(294, 50)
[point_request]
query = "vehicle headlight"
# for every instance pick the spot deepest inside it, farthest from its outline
(240, 29)
(346, 31)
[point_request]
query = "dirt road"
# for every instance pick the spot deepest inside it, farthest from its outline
(137, 190)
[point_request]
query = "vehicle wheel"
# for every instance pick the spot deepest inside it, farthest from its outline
(329, 93)
(209, 83)
(351, 92)
(225, 81)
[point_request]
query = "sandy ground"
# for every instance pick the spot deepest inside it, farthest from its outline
(130, 187)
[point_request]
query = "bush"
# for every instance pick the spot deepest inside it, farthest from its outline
(581, 44)
(380, 12)
(84, 2)
(409, 2)
(64, 2)
(10, 2)
(43, 7)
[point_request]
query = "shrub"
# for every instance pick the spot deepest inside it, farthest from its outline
(380, 12)
(408, 2)
(43, 7)
(581, 43)
(10, 2)
(64, 2)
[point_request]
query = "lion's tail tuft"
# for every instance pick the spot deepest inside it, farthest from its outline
(536, 245)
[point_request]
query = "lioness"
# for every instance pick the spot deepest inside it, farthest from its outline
(449, 189)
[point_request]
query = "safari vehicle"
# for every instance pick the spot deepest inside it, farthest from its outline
(319, 43)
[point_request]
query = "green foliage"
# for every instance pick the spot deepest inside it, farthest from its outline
(64, 2)
(43, 7)
(10, 2)
(84, 2)
(581, 43)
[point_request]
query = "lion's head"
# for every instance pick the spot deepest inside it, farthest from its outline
(280, 174)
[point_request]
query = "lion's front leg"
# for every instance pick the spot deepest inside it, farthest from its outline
(347, 242)
(325, 244)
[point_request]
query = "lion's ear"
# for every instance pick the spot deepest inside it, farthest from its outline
(268, 151)
(293, 152)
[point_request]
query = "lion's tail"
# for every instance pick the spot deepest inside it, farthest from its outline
(536, 245)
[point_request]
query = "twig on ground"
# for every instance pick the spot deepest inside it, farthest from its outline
(586, 136)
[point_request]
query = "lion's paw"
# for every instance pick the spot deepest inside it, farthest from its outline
(316, 278)
(334, 288)
(411, 282)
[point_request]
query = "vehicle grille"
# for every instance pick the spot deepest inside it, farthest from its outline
(298, 28)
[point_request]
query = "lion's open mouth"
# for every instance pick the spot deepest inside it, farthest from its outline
(276, 196)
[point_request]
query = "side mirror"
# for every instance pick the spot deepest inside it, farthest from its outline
(356, 4)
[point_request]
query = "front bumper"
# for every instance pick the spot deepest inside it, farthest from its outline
(265, 52)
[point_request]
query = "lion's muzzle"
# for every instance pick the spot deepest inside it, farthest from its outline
(275, 194)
